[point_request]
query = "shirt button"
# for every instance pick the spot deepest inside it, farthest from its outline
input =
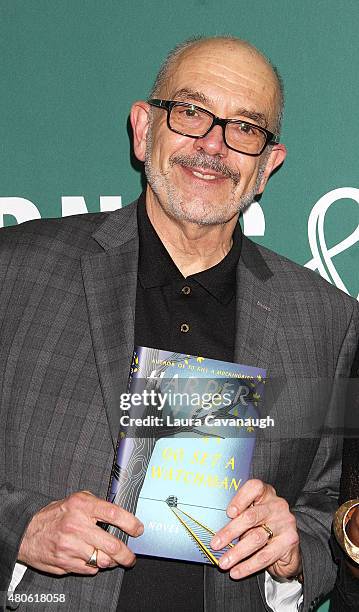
(184, 328)
(186, 290)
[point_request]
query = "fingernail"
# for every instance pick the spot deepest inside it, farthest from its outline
(224, 562)
(232, 511)
(216, 542)
(140, 530)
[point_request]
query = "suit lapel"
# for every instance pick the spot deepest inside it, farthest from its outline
(257, 309)
(110, 279)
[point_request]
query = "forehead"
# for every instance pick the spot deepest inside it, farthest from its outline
(232, 76)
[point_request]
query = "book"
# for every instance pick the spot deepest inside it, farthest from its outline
(188, 429)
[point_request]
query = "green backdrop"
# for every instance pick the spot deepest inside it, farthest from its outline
(71, 68)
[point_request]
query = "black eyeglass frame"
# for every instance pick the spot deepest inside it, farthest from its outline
(168, 105)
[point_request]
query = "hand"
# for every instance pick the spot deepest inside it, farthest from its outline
(61, 537)
(254, 504)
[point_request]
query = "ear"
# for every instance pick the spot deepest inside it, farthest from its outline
(275, 159)
(139, 118)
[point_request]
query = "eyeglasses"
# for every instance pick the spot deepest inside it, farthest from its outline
(196, 122)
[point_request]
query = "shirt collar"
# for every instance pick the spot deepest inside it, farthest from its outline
(156, 268)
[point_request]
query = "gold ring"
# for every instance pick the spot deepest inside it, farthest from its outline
(268, 530)
(92, 562)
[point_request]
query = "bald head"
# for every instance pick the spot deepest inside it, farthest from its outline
(223, 47)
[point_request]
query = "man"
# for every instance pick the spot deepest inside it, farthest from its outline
(79, 292)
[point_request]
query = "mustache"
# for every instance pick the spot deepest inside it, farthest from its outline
(206, 162)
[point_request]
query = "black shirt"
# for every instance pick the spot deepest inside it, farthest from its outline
(195, 316)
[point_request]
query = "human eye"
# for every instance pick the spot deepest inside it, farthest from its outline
(246, 128)
(189, 112)
(241, 131)
(187, 117)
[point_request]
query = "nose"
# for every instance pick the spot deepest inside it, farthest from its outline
(213, 143)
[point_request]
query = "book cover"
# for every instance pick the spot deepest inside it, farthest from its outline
(188, 428)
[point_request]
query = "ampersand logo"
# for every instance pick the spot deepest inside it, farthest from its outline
(322, 256)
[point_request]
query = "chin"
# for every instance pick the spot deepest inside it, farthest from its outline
(201, 213)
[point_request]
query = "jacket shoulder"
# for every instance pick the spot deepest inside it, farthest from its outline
(72, 232)
(71, 235)
(292, 279)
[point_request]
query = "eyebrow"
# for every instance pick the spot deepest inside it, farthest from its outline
(198, 96)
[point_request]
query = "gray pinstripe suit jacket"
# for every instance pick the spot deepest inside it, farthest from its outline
(67, 323)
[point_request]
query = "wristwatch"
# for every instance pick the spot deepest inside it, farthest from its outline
(341, 518)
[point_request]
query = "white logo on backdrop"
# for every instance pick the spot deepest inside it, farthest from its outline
(322, 256)
(254, 223)
(25, 210)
